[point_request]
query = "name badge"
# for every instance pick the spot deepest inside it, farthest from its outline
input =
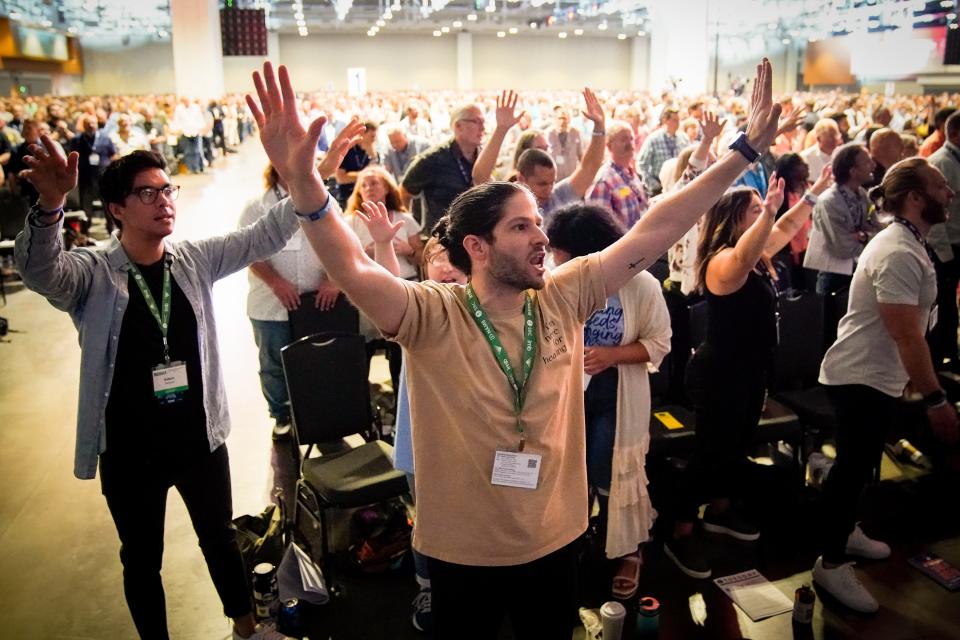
(170, 382)
(514, 469)
(624, 192)
(95, 159)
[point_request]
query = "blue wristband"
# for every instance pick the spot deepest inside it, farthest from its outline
(316, 215)
(740, 144)
(36, 211)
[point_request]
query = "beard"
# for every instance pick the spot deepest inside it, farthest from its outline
(512, 271)
(933, 212)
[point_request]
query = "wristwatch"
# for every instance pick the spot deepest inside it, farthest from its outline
(740, 144)
(935, 399)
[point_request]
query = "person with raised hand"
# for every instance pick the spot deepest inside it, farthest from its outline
(153, 408)
(538, 171)
(727, 375)
(499, 441)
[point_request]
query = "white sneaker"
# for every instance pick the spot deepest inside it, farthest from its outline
(858, 544)
(842, 583)
(265, 631)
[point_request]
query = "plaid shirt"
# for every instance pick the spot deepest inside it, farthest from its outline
(659, 147)
(620, 190)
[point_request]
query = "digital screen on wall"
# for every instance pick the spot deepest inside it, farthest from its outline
(41, 45)
(243, 32)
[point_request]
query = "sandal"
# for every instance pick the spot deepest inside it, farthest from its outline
(625, 586)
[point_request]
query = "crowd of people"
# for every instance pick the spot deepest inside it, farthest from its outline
(510, 270)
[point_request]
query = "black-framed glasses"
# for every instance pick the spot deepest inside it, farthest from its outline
(149, 195)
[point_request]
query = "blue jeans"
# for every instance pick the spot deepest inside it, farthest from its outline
(828, 283)
(192, 149)
(271, 336)
(600, 409)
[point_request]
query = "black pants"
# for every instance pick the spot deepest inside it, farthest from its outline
(943, 338)
(137, 502)
(864, 415)
(540, 597)
(728, 401)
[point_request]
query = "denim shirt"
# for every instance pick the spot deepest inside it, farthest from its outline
(91, 285)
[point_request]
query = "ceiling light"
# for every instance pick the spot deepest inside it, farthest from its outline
(457, 24)
(953, 25)
(371, 33)
(72, 30)
(301, 23)
(946, 4)
(388, 15)
(562, 35)
(396, 6)
(46, 23)
(445, 29)
(381, 23)
(602, 26)
(472, 17)
(578, 32)
(641, 33)
(513, 30)
(621, 36)
(437, 33)
(162, 33)
(297, 6)
(951, 16)
(15, 15)
(533, 25)
(298, 15)
(785, 41)
(501, 34)
(491, 6)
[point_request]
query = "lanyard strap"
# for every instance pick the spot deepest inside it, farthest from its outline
(161, 315)
(529, 350)
(916, 234)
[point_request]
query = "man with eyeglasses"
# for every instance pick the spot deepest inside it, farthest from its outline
(445, 171)
(153, 410)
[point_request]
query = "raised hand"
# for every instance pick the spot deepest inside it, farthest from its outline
(506, 110)
(792, 121)
(594, 111)
(53, 174)
(377, 220)
(774, 199)
(764, 113)
(824, 181)
(348, 137)
(711, 126)
(290, 147)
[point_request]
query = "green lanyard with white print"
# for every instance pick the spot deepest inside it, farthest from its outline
(161, 315)
(529, 351)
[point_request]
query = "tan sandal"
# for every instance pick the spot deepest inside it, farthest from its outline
(625, 586)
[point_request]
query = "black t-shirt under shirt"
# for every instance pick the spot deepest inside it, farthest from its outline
(139, 427)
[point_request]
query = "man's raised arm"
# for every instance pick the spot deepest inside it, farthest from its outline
(583, 176)
(290, 147)
(670, 218)
(507, 117)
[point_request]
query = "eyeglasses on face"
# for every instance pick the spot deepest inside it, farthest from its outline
(476, 121)
(149, 195)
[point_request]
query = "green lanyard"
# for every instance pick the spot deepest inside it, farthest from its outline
(529, 351)
(162, 315)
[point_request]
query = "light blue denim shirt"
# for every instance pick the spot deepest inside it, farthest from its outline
(91, 285)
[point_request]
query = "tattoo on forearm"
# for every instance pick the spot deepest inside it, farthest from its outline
(634, 265)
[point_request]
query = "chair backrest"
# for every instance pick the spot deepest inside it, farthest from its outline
(327, 381)
(800, 351)
(308, 320)
(13, 214)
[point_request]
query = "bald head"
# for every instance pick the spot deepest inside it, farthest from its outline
(886, 147)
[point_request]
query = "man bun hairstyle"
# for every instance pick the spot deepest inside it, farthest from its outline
(900, 180)
(475, 212)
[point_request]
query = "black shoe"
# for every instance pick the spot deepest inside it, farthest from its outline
(687, 554)
(730, 524)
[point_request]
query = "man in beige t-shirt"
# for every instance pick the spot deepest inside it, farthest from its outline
(501, 497)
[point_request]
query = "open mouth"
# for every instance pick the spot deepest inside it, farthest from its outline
(537, 259)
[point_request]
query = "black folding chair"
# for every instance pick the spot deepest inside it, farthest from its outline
(307, 320)
(330, 400)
